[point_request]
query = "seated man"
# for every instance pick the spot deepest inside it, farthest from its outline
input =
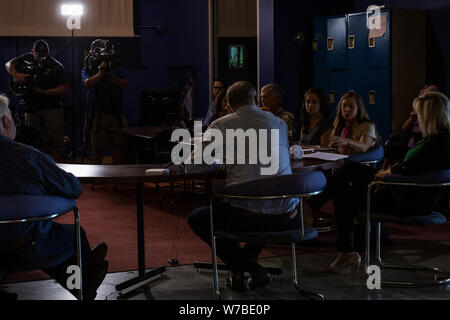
(218, 86)
(246, 215)
(271, 100)
(46, 245)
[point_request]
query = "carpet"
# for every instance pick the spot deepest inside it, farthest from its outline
(109, 215)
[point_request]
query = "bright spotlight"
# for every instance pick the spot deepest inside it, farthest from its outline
(73, 10)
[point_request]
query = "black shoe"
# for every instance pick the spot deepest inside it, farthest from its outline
(96, 280)
(99, 252)
(260, 278)
(237, 282)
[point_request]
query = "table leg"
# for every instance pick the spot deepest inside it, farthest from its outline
(143, 277)
(140, 228)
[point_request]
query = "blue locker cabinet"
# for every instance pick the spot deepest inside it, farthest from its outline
(387, 71)
(364, 52)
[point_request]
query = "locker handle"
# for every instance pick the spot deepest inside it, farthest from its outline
(315, 45)
(372, 97)
(330, 44)
(351, 42)
(332, 96)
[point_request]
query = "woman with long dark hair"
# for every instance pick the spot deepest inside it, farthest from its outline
(316, 119)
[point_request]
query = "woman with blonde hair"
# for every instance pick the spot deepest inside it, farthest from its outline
(349, 184)
(353, 131)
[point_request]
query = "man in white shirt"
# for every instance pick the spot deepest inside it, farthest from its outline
(246, 215)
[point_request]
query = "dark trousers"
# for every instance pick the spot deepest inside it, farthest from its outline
(238, 259)
(53, 252)
(88, 263)
(348, 188)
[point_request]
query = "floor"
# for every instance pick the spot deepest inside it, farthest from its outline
(186, 283)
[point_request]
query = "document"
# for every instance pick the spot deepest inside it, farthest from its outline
(326, 156)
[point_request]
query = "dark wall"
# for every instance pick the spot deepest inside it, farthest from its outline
(146, 59)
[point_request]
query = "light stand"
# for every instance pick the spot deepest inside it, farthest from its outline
(73, 13)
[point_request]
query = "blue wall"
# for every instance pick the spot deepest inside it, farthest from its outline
(184, 42)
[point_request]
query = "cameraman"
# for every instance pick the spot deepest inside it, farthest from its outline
(104, 97)
(45, 85)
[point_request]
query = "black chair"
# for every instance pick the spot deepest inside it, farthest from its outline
(436, 179)
(275, 187)
(24, 208)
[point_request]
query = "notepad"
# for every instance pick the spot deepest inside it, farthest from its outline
(326, 156)
(156, 172)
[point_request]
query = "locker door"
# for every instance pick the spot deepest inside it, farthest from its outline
(374, 88)
(378, 50)
(337, 43)
(357, 42)
(336, 89)
(321, 80)
(320, 44)
(357, 82)
(378, 97)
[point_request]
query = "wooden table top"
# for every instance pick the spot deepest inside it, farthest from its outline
(88, 173)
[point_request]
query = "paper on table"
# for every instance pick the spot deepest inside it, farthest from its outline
(326, 156)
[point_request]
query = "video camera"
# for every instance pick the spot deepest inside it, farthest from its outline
(109, 53)
(35, 72)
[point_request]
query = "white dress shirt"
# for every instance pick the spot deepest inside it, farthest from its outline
(251, 117)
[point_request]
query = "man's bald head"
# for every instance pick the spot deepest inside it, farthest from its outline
(271, 96)
(240, 94)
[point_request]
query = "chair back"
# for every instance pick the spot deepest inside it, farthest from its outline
(282, 186)
(438, 177)
(373, 156)
(24, 207)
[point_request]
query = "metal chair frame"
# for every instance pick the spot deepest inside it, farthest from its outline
(294, 276)
(437, 272)
(77, 232)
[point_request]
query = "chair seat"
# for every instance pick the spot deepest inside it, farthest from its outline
(375, 154)
(25, 206)
(431, 219)
(282, 237)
